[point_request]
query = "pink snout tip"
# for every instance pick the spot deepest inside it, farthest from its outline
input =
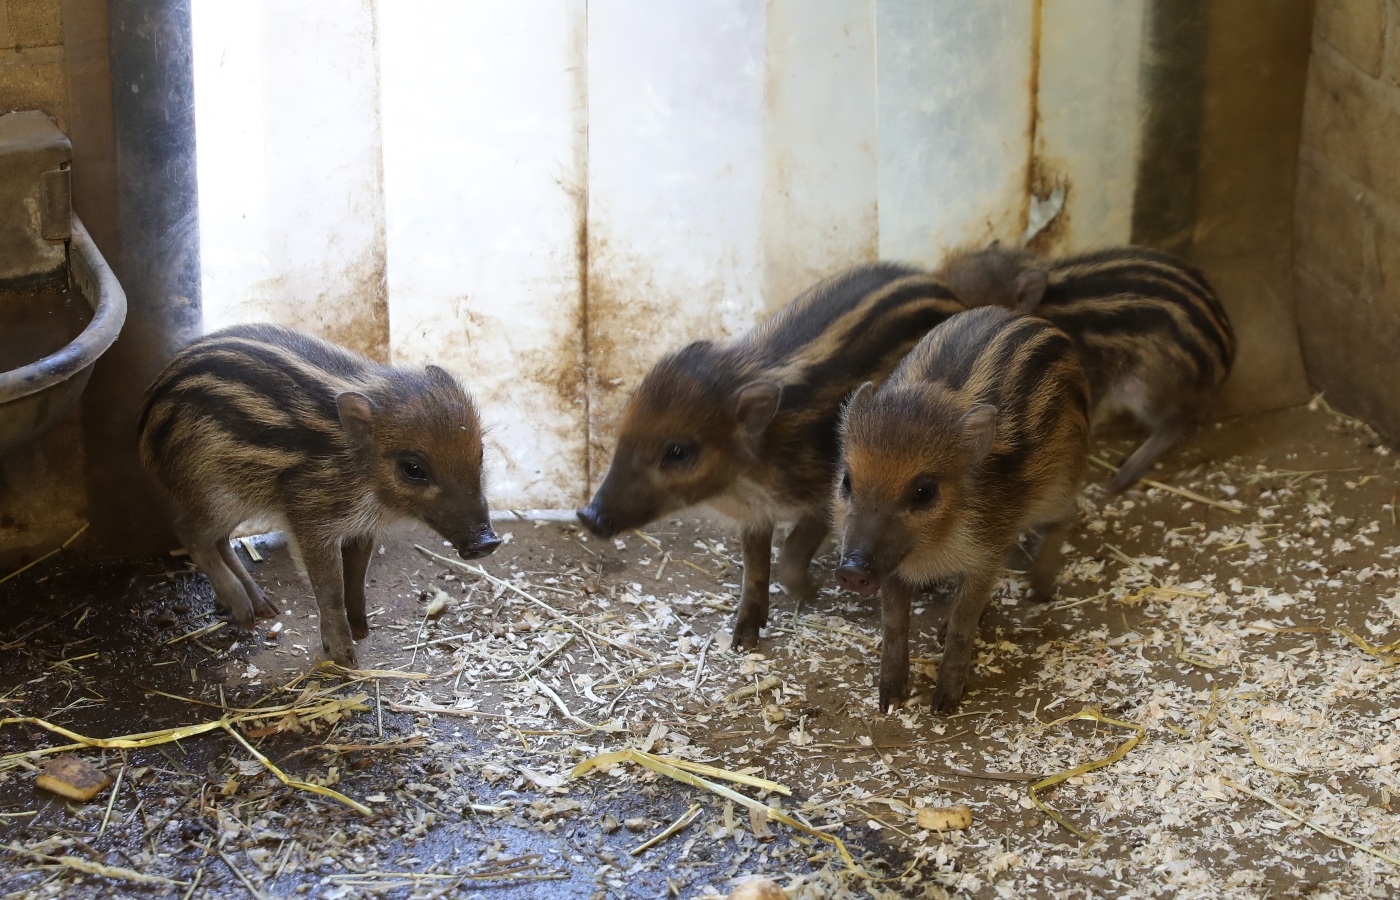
(857, 578)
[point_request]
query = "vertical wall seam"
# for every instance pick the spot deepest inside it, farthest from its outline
(581, 159)
(1033, 127)
(875, 83)
(381, 237)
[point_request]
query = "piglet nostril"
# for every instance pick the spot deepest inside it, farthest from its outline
(857, 578)
(484, 544)
(595, 521)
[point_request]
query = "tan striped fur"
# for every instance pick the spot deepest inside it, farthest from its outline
(981, 434)
(1153, 337)
(261, 423)
(747, 427)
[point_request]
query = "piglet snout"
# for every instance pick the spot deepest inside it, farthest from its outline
(483, 542)
(854, 575)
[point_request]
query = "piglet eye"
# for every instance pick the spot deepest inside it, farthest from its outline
(923, 496)
(413, 471)
(679, 453)
(846, 484)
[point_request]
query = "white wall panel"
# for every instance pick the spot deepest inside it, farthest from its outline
(287, 142)
(954, 129)
(567, 189)
(675, 186)
(483, 118)
(819, 204)
(1090, 116)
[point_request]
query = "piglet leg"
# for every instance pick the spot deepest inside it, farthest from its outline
(263, 608)
(324, 566)
(960, 639)
(1046, 565)
(753, 598)
(896, 598)
(795, 558)
(228, 589)
(1145, 457)
(356, 553)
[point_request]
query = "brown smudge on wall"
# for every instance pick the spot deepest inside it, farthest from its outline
(366, 281)
(630, 326)
(1043, 181)
(1033, 126)
(579, 387)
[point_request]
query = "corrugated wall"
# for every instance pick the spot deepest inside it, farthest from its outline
(544, 197)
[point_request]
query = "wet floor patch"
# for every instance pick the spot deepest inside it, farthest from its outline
(1222, 640)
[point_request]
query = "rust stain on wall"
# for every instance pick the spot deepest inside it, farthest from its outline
(1033, 126)
(631, 324)
(582, 385)
(1045, 180)
(351, 308)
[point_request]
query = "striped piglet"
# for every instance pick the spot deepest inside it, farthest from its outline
(261, 423)
(1152, 335)
(981, 434)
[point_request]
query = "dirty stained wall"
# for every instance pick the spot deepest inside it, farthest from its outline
(675, 188)
(1348, 210)
(42, 496)
(31, 58)
(566, 195)
(299, 84)
(484, 136)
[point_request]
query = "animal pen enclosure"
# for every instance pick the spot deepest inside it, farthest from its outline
(545, 198)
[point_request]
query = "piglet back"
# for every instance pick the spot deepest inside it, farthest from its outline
(251, 397)
(1115, 302)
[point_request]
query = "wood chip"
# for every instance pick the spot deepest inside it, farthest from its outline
(757, 888)
(72, 777)
(945, 818)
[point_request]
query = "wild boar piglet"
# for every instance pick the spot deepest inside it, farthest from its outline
(1154, 340)
(747, 427)
(981, 434)
(258, 423)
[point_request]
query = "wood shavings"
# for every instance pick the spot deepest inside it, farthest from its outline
(674, 828)
(767, 683)
(564, 710)
(683, 771)
(1180, 492)
(1051, 781)
(1395, 861)
(290, 715)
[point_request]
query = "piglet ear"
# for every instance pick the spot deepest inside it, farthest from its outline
(441, 376)
(755, 405)
(861, 395)
(356, 417)
(979, 431)
(1030, 288)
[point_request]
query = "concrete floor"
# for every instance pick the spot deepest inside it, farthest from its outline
(1225, 632)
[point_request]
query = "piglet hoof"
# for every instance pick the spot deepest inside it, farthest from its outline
(359, 630)
(345, 657)
(263, 608)
(892, 694)
(240, 608)
(1122, 481)
(948, 695)
(745, 636)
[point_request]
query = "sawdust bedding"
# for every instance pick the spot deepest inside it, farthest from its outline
(1208, 709)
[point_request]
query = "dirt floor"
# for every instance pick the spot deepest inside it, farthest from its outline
(1241, 648)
